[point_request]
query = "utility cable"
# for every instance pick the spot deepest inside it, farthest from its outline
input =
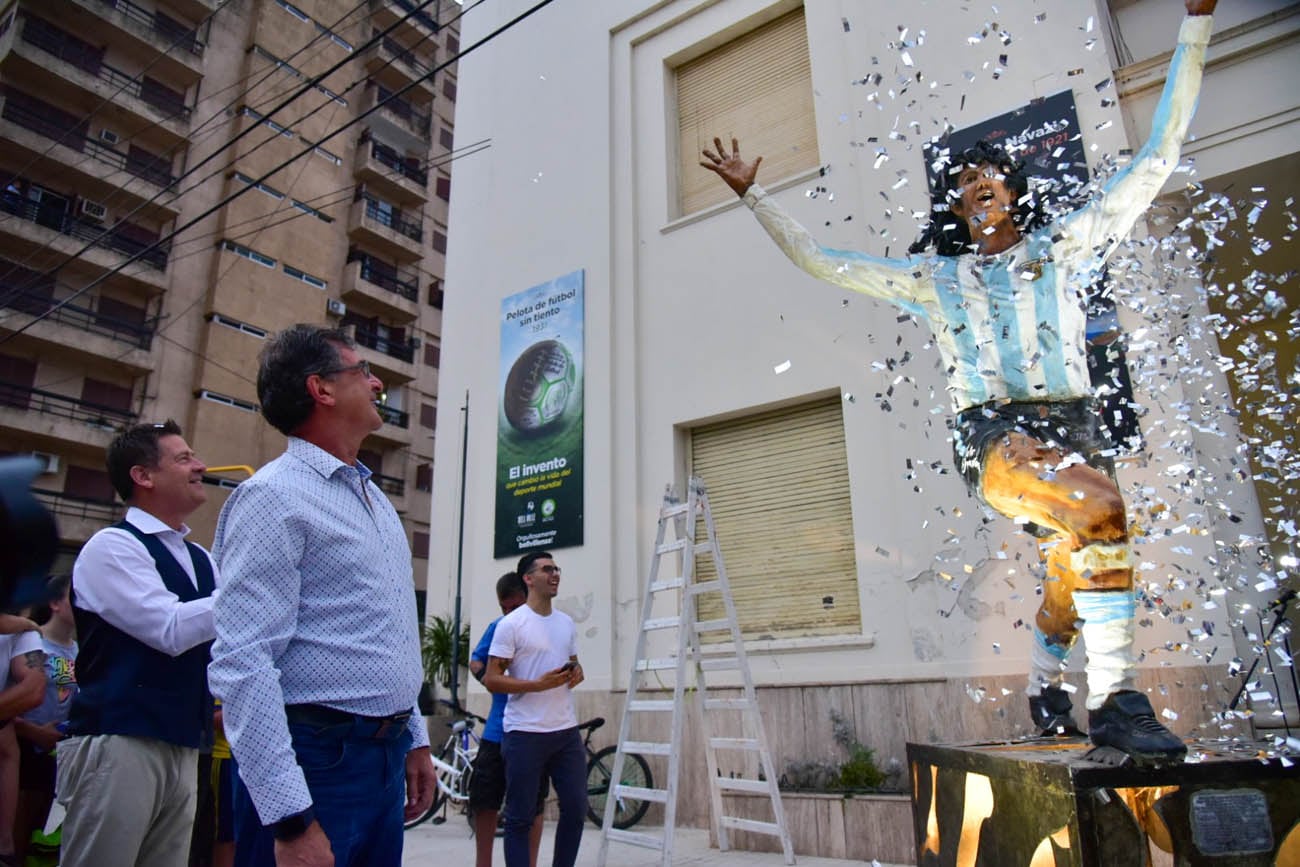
(311, 84)
(231, 197)
(193, 139)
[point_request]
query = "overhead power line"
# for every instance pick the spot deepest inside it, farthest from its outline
(329, 137)
(311, 84)
(196, 136)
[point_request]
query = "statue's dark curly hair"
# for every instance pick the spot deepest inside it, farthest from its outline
(947, 233)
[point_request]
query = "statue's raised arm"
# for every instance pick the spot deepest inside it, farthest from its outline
(738, 174)
(895, 280)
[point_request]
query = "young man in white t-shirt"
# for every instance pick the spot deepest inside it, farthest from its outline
(534, 659)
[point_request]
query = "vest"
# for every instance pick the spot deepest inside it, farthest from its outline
(127, 687)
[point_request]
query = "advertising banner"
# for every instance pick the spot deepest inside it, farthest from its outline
(540, 419)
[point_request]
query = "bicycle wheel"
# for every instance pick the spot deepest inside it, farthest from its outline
(439, 796)
(434, 806)
(628, 811)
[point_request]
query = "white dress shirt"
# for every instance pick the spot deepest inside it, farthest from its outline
(116, 578)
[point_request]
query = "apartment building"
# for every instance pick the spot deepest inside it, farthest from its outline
(116, 123)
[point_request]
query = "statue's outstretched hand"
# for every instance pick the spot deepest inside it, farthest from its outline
(1200, 7)
(738, 174)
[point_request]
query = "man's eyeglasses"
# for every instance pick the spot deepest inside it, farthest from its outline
(549, 570)
(363, 366)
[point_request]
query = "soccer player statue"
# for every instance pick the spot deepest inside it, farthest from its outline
(1008, 310)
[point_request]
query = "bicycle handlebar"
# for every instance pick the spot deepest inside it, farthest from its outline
(460, 711)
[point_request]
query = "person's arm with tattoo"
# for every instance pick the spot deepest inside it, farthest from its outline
(26, 684)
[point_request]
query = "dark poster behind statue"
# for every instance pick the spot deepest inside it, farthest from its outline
(1045, 135)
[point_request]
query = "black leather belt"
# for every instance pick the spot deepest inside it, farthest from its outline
(376, 727)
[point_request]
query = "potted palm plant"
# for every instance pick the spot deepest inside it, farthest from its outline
(436, 651)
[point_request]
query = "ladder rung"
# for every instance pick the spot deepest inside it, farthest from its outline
(704, 548)
(648, 748)
(728, 704)
(659, 705)
(636, 838)
(738, 824)
(657, 795)
(656, 664)
(670, 547)
(662, 623)
(673, 510)
(666, 584)
(761, 787)
(705, 587)
(724, 663)
(712, 625)
(734, 743)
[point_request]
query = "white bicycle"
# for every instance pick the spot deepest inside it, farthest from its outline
(454, 765)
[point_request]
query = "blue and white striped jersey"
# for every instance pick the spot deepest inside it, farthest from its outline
(1013, 325)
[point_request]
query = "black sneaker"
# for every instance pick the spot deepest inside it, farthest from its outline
(1127, 723)
(1051, 713)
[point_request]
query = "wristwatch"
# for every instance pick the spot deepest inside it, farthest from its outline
(294, 825)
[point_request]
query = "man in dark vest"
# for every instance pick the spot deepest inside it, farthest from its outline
(142, 599)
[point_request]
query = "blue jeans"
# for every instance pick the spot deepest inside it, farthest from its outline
(561, 757)
(358, 792)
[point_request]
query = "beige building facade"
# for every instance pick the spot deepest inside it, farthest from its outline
(868, 581)
(116, 129)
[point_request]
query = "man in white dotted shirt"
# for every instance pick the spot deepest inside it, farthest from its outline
(142, 600)
(317, 658)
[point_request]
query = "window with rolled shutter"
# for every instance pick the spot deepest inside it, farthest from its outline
(758, 88)
(778, 485)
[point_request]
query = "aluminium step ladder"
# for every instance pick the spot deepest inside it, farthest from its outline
(690, 665)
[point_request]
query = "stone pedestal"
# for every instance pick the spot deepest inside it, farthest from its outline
(1040, 802)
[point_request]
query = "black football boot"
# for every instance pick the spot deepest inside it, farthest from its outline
(1126, 723)
(1051, 711)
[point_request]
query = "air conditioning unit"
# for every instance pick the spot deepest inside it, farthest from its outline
(415, 343)
(335, 307)
(93, 210)
(107, 136)
(50, 463)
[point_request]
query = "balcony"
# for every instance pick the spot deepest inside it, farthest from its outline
(389, 484)
(397, 119)
(152, 34)
(373, 285)
(401, 350)
(386, 171)
(386, 358)
(396, 430)
(395, 66)
(130, 178)
(62, 223)
(395, 417)
(23, 397)
(79, 518)
(45, 415)
(414, 23)
(394, 488)
(77, 330)
(56, 63)
(385, 228)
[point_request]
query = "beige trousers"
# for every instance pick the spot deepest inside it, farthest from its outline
(130, 801)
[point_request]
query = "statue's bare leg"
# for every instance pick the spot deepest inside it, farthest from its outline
(1090, 579)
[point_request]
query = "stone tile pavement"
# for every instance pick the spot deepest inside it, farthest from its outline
(450, 844)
